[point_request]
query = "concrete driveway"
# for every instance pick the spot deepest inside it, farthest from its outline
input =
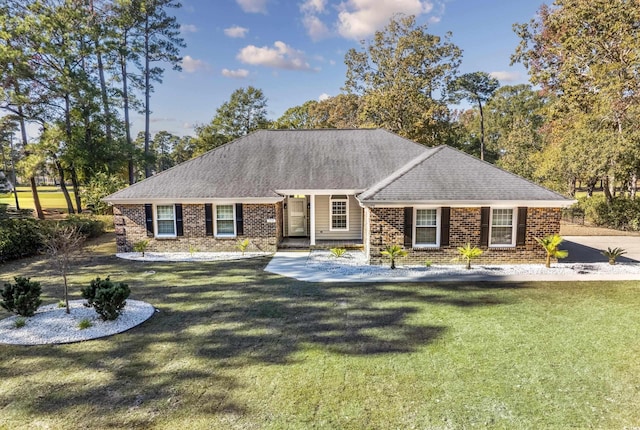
(587, 249)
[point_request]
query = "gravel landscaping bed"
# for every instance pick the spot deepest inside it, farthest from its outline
(189, 256)
(52, 324)
(354, 263)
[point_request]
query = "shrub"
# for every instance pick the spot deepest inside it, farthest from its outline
(392, 252)
(468, 253)
(20, 322)
(88, 225)
(106, 297)
(242, 245)
(613, 254)
(622, 213)
(23, 297)
(19, 238)
(141, 246)
(85, 323)
(338, 252)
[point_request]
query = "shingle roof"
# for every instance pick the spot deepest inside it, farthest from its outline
(446, 174)
(260, 163)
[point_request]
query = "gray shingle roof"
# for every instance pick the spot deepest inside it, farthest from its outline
(446, 174)
(260, 163)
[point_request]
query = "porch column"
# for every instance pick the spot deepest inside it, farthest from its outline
(312, 221)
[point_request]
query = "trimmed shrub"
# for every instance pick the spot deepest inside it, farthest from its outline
(88, 225)
(22, 298)
(19, 238)
(106, 297)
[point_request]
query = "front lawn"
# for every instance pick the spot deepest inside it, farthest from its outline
(235, 347)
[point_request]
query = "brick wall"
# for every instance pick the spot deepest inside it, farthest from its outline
(130, 228)
(387, 228)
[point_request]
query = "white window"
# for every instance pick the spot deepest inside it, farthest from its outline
(339, 213)
(225, 222)
(502, 227)
(165, 221)
(427, 227)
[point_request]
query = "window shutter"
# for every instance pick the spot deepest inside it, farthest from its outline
(148, 216)
(239, 221)
(521, 233)
(445, 219)
(208, 219)
(179, 223)
(484, 226)
(408, 227)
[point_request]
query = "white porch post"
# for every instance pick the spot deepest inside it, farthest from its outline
(312, 226)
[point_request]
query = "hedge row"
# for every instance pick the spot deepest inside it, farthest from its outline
(25, 237)
(621, 214)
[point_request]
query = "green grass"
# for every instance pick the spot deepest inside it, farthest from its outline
(50, 198)
(235, 347)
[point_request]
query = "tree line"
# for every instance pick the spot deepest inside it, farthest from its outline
(78, 67)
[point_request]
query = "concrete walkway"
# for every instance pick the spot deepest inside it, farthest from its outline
(293, 264)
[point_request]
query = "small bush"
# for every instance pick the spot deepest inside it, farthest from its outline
(106, 297)
(88, 225)
(141, 246)
(20, 322)
(61, 304)
(428, 263)
(613, 254)
(19, 238)
(193, 249)
(338, 252)
(242, 245)
(393, 252)
(85, 324)
(468, 253)
(22, 298)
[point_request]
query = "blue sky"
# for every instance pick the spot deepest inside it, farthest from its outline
(294, 50)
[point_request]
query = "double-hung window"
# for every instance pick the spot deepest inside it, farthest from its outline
(503, 226)
(225, 221)
(427, 227)
(339, 213)
(165, 221)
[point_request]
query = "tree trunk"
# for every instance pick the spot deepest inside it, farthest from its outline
(66, 292)
(36, 198)
(76, 188)
(591, 185)
(125, 108)
(607, 190)
(633, 184)
(63, 186)
(481, 130)
(147, 92)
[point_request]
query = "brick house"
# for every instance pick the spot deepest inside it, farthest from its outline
(367, 186)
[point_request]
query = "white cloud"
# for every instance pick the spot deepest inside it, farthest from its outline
(506, 76)
(313, 6)
(316, 29)
(236, 31)
(253, 6)
(237, 74)
(332, 62)
(188, 28)
(281, 57)
(323, 96)
(362, 18)
(192, 65)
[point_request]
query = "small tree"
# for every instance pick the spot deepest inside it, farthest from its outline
(550, 244)
(468, 253)
(392, 252)
(63, 245)
(23, 297)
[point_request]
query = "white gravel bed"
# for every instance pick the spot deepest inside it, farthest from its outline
(353, 263)
(52, 324)
(189, 256)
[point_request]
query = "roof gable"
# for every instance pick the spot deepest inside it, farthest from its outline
(446, 174)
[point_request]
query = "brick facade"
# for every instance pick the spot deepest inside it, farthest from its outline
(387, 228)
(130, 226)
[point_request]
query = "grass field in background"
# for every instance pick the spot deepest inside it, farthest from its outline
(232, 346)
(51, 198)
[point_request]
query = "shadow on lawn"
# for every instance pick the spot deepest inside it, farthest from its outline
(215, 316)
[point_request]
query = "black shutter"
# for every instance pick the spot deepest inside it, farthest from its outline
(208, 219)
(484, 226)
(408, 227)
(445, 219)
(148, 216)
(239, 222)
(521, 233)
(179, 223)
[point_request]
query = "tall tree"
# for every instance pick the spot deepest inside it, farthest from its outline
(476, 87)
(402, 77)
(297, 117)
(585, 54)
(161, 41)
(340, 111)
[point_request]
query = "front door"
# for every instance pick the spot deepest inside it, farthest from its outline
(297, 215)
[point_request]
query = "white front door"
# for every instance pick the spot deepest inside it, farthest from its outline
(297, 215)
